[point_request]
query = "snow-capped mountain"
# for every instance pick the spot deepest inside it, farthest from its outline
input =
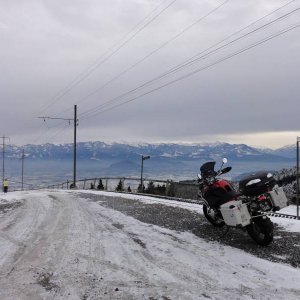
(122, 151)
(286, 151)
(53, 163)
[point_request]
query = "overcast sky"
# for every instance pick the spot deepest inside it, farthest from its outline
(99, 54)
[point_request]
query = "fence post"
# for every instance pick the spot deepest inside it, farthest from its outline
(84, 183)
(106, 184)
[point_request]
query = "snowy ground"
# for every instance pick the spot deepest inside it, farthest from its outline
(75, 245)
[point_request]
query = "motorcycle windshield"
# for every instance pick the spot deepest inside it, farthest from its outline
(208, 169)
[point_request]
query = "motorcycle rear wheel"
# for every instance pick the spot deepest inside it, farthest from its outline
(212, 218)
(261, 230)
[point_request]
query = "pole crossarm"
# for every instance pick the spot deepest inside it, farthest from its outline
(52, 118)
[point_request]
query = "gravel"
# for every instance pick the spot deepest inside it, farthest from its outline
(285, 248)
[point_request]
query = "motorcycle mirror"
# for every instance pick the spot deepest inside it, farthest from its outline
(226, 170)
(225, 160)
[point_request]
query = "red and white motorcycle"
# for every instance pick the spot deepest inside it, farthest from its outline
(245, 208)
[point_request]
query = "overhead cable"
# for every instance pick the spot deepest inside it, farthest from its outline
(180, 67)
(108, 54)
(153, 52)
(297, 25)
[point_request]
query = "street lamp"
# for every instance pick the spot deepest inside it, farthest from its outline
(142, 169)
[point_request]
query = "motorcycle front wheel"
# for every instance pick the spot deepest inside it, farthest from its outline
(261, 230)
(212, 217)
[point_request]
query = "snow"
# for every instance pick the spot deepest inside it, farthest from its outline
(290, 225)
(59, 245)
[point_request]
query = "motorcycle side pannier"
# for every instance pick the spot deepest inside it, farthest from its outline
(257, 184)
(235, 213)
(278, 198)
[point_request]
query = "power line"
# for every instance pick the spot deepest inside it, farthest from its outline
(181, 66)
(204, 55)
(63, 91)
(243, 29)
(154, 51)
(200, 69)
(177, 68)
(44, 133)
(58, 132)
(108, 54)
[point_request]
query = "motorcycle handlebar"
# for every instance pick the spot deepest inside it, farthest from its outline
(222, 171)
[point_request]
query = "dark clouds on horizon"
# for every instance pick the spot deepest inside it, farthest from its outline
(251, 98)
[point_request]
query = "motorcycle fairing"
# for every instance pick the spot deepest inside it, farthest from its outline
(219, 193)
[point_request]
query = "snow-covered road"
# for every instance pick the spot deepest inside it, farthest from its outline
(61, 245)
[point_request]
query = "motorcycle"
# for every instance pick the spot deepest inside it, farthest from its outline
(246, 208)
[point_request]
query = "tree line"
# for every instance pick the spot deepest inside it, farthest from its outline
(153, 189)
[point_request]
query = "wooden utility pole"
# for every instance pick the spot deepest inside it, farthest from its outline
(75, 122)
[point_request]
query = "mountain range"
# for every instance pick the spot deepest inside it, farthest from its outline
(167, 161)
(132, 152)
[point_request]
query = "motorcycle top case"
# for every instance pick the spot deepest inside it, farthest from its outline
(278, 198)
(257, 184)
(235, 213)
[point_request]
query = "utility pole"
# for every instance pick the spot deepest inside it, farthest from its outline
(75, 146)
(75, 121)
(3, 157)
(23, 156)
(142, 169)
(297, 177)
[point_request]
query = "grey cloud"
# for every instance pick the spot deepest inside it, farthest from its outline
(46, 44)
